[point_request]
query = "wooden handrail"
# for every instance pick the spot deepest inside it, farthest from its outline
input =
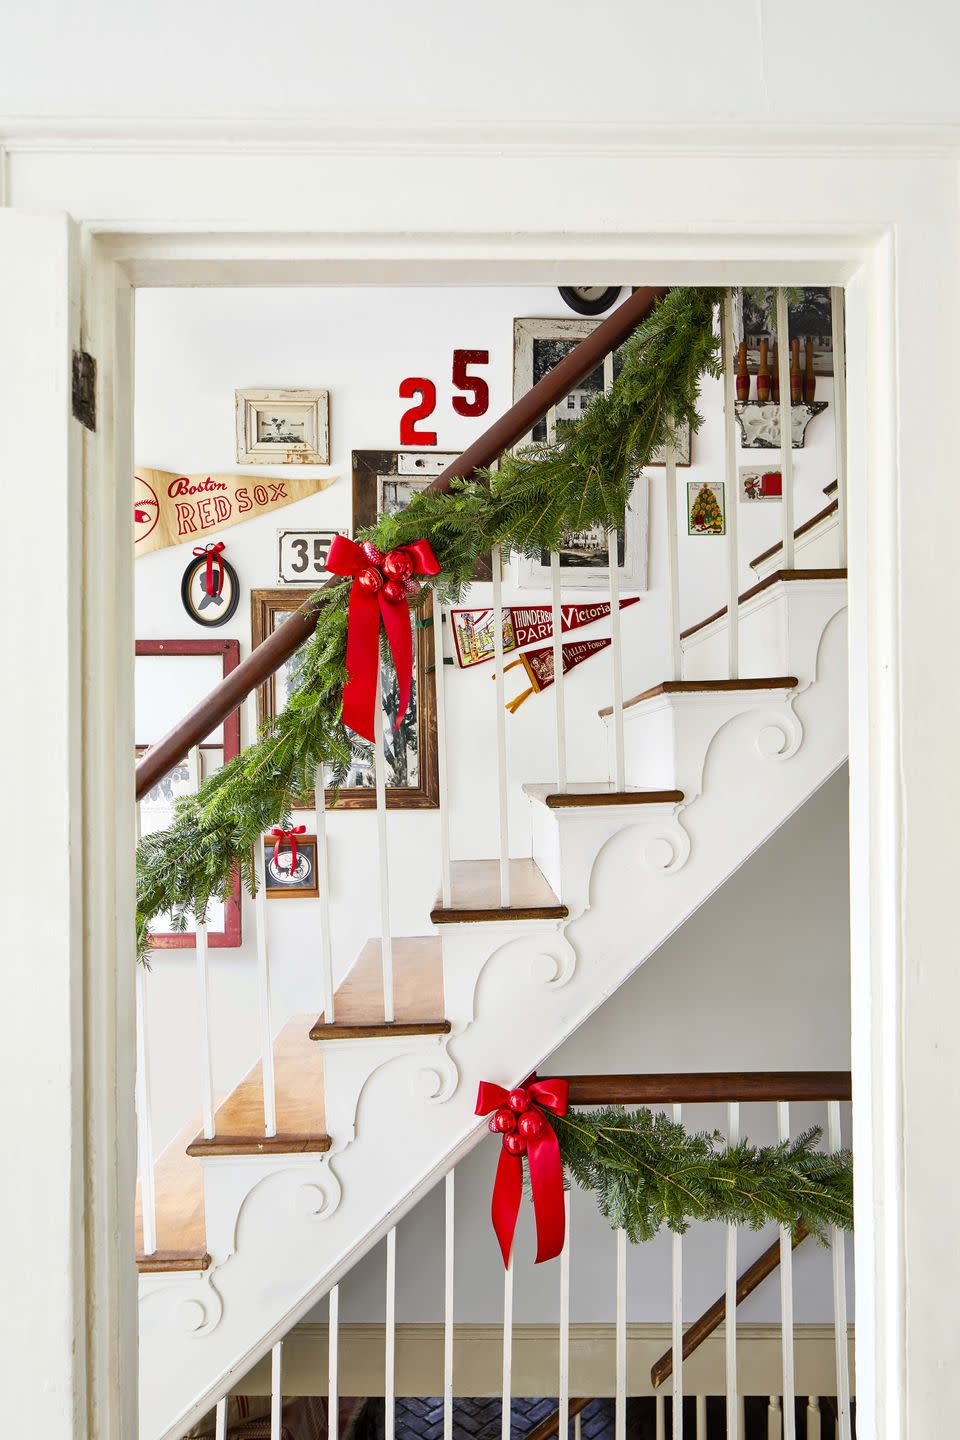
(734, 1085)
(551, 1424)
(512, 426)
(710, 1320)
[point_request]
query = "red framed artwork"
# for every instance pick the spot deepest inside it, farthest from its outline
(171, 677)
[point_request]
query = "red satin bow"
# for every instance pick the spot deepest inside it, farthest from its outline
(381, 587)
(290, 835)
(212, 552)
(536, 1138)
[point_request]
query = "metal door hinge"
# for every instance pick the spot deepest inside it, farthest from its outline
(85, 389)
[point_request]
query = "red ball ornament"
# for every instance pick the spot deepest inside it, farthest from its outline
(514, 1144)
(504, 1121)
(394, 591)
(519, 1100)
(370, 580)
(374, 555)
(530, 1124)
(398, 565)
(411, 588)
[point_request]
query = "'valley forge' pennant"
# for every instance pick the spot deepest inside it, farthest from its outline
(522, 624)
(169, 509)
(539, 665)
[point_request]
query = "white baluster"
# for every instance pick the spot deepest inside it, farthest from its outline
(506, 1384)
(559, 682)
(730, 1302)
(383, 863)
(838, 1255)
(276, 1391)
(221, 1421)
(786, 436)
(504, 830)
(676, 1318)
(577, 1427)
(203, 987)
(449, 1213)
(673, 572)
(390, 1347)
(620, 1419)
(616, 652)
(563, 1401)
(323, 880)
(701, 1417)
(786, 1299)
(263, 998)
(837, 301)
(813, 1417)
(732, 488)
(442, 777)
(774, 1418)
(333, 1364)
(148, 1186)
(660, 1413)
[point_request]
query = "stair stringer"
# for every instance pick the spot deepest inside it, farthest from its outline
(284, 1265)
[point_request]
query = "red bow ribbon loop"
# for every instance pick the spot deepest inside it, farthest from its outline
(382, 585)
(290, 835)
(213, 553)
(520, 1120)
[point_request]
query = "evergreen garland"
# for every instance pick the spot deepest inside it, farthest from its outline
(538, 493)
(647, 1171)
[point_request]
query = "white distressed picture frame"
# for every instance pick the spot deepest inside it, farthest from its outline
(313, 406)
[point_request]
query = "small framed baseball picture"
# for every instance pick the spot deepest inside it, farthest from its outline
(290, 867)
(706, 508)
(283, 427)
(759, 484)
(302, 555)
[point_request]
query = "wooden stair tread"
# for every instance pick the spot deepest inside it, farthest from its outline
(692, 687)
(586, 793)
(778, 577)
(800, 530)
(181, 1231)
(298, 1083)
(418, 1004)
(475, 894)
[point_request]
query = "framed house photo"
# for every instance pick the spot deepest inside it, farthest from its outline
(170, 676)
(539, 344)
(283, 427)
(411, 752)
(385, 481)
(809, 317)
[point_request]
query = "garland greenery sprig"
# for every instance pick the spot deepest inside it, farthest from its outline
(581, 480)
(648, 1171)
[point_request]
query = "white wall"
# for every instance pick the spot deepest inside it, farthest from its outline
(623, 62)
(194, 348)
(756, 979)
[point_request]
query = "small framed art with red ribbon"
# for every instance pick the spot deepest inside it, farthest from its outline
(210, 588)
(290, 864)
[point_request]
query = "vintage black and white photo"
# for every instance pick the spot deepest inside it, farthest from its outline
(283, 427)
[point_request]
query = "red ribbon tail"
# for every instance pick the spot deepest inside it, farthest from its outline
(363, 638)
(546, 1182)
(396, 622)
(505, 1206)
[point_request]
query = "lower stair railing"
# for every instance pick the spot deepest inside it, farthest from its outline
(613, 1354)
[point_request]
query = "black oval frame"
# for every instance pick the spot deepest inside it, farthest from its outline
(186, 583)
(589, 307)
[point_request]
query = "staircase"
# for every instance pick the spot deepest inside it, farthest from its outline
(251, 1228)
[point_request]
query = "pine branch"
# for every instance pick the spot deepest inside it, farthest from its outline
(647, 1171)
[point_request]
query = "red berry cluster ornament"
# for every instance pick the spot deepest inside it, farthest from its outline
(518, 1121)
(389, 573)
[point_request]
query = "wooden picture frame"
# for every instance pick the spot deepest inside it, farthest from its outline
(230, 936)
(377, 473)
(309, 887)
(265, 607)
(261, 437)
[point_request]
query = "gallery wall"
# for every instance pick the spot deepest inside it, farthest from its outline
(194, 349)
